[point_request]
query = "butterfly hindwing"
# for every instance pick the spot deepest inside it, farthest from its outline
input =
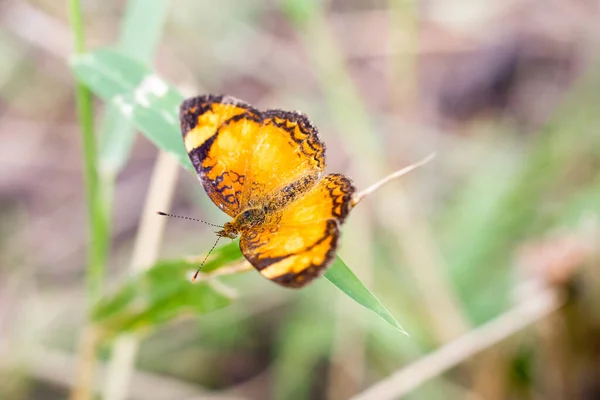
(296, 245)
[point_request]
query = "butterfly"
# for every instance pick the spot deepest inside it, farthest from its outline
(265, 170)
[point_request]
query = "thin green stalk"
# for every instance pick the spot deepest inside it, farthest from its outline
(97, 226)
(97, 221)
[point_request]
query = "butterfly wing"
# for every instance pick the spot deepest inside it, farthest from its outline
(202, 122)
(296, 244)
(246, 157)
(287, 159)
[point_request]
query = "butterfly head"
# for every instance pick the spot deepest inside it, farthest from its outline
(244, 220)
(229, 231)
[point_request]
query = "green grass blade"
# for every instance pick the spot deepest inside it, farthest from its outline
(97, 217)
(344, 279)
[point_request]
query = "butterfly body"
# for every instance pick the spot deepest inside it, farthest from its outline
(264, 169)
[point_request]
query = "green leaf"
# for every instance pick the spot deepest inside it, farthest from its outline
(143, 98)
(163, 293)
(152, 106)
(341, 276)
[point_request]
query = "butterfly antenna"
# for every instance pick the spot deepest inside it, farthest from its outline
(191, 219)
(205, 258)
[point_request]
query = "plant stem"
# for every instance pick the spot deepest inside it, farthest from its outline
(145, 252)
(83, 388)
(97, 224)
(97, 221)
(401, 172)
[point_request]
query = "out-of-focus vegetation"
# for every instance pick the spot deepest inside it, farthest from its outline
(506, 93)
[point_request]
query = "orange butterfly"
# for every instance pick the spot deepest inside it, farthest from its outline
(263, 169)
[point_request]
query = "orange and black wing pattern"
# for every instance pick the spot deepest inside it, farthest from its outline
(245, 157)
(297, 243)
(269, 161)
(217, 134)
(286, 160)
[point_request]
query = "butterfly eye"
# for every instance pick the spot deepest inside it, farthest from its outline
(247, 214)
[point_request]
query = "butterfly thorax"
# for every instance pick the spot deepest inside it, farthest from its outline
(243, 221)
